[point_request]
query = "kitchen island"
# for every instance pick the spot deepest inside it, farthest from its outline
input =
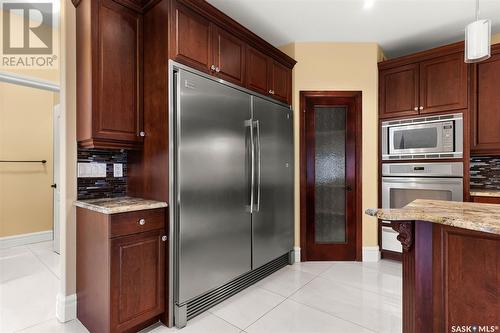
(451, 265)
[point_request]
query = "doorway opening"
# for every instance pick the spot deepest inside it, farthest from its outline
(29, 199)
(330, 175)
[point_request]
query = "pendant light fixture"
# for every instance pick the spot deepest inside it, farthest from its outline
(477, 39)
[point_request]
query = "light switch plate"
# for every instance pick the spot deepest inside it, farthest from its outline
(117, 170)
(92, 170)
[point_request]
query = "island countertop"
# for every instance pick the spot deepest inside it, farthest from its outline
(119, 205)
(465, 215)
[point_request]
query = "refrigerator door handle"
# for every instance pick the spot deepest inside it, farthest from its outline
(258, 162)
(249, 124)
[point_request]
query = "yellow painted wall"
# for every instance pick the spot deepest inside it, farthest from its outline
(495, 38)
(341, 66)
(25, 134)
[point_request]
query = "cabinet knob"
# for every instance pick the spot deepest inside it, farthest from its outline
(164, 238)
(217, 69)
(142, 222)
(212, 67)
(415, 108)
(421, 108)
(142, 133)
(271, 92)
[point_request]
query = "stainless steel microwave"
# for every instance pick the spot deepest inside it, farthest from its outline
(423, 138)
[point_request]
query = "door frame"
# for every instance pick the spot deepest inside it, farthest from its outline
(305, 97)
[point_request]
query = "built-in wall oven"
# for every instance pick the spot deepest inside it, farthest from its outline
(404, 182)
(431, 137)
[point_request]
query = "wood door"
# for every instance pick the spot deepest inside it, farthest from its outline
(280, 82)
(330, 176)
(443, 84)
(117, 112)
(229, 56)
(257, 70)
(191, 38)
(398, 91)
(485, 119)
(137, 279)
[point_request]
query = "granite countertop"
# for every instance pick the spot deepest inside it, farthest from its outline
(484, 193)
(119, 205)
(466, 215)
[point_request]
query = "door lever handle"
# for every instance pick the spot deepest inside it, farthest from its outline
(53, 185)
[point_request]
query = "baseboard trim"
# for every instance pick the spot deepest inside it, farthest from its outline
(371, 254)
(296, 250)
(65, 307)
(23, 239)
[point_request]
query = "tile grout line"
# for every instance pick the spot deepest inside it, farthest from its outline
(31, 326)
(334, 316)
(43, 263)
(285, 298)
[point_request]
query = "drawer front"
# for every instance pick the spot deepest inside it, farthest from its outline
(389, 240)
(134, 222)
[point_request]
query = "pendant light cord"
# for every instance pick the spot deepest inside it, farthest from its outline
(477, 10)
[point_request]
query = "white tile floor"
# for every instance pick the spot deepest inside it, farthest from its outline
(306, 297)
(29, 282)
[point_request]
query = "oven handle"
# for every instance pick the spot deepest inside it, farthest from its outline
(422, 180)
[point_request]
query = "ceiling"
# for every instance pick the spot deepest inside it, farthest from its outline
(398, 26)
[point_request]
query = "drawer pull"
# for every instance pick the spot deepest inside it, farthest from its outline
(164, 238)
(142, 222)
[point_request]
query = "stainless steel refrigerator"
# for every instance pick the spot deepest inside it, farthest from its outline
(231, 190)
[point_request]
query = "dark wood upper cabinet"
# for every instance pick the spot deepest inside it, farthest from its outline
(200, 39)
(138, 277)
(228, 56)
(443, 84)
(280, 82)
(191, 42)
(109, 87)
(433, 81)
(485, 114)
(257, 68)
(399, 91)
(268, 77)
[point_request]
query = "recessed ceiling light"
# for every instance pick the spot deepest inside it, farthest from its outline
(368, 4)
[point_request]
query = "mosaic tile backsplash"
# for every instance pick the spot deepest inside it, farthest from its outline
(485, 173)
(109, 187)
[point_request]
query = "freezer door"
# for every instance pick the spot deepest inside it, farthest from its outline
(272, 217)
(214, 226)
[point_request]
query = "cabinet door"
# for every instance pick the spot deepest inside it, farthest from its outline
(257, 64)
(191, 39)
(398, 89)
(485, 123)
(229, 56)
(443, 84)
(280, 82)
(137, 279)
(117, 112)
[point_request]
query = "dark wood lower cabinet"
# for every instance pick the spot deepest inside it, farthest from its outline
(491, 200)
(120, 275)
(451, 278)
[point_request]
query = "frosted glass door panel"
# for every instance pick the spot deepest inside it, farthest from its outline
(330, 162)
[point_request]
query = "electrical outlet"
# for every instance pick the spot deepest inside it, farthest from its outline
(117, 170)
